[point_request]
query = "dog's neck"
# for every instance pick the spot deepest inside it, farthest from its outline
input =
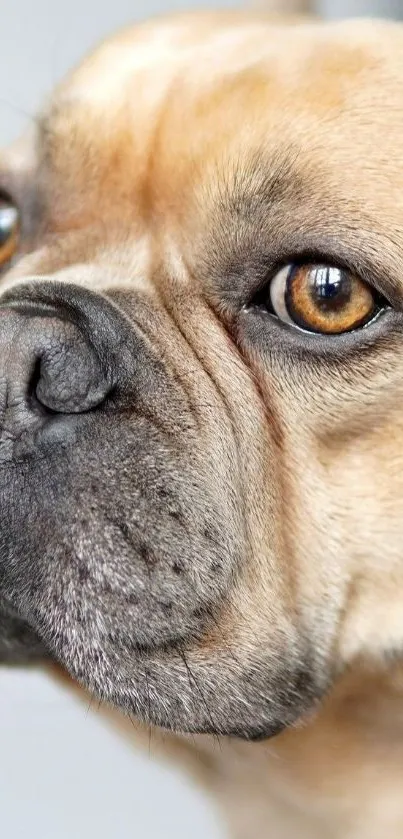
(338, 775)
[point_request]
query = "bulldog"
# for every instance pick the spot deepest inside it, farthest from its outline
(201, 391)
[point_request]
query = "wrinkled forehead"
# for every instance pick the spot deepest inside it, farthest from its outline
(199, 122)
(192, 87)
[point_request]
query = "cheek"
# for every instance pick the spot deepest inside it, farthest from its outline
(364, 467)
(357, 488)
(370, 477)
(364, 462)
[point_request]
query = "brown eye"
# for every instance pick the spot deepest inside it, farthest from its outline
(9, 230)
(322, 298)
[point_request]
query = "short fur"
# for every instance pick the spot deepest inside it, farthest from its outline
(219, 550)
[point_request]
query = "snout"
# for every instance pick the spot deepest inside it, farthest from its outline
(103, 499)
(121, 534)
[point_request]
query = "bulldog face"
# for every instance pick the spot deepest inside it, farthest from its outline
(201, 378)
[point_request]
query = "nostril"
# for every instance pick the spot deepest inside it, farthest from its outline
(32, 383)
(51, 396)
(52, 358)
(68, 374)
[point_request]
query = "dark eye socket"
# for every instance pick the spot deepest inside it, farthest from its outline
(321, 298)
(9, 229)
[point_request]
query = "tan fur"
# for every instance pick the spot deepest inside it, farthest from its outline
(187, 99)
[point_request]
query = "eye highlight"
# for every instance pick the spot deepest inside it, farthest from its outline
(9, 230)
(322, 298)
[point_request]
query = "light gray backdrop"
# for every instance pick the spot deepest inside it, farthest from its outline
(64, 775)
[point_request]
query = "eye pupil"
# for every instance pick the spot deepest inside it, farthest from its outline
(330, 287)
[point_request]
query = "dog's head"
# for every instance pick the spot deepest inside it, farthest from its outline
(201, 351)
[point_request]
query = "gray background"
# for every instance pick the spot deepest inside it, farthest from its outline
(63, 773)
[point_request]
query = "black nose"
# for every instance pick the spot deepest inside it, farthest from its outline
(54, 349)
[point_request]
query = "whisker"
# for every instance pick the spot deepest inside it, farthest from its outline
(90, 704)
(18, 110)
(192, 678)
(148, 710)
(132, 720)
